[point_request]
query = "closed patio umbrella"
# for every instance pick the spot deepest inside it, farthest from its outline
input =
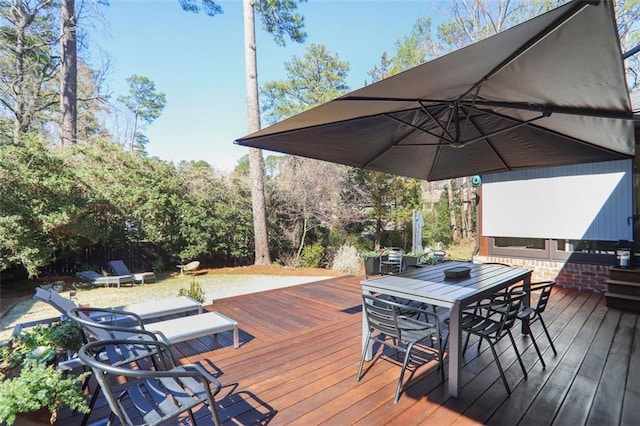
(548, 92)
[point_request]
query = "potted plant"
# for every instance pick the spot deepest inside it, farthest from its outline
(413, 258)
(29, 379)
(371, 262)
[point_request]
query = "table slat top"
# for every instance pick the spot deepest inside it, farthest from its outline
(430, 284)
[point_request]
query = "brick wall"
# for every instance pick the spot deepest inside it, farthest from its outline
(570, 275)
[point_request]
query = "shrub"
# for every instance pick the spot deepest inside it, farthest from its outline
(347, 260)
(40, 386)
(312, 256)
(30, 381)
(370, 254)
(42, 342)
(195, 291)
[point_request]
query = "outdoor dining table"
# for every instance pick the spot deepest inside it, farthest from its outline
(430, 285)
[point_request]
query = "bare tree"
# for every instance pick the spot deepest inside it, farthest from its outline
(311, 192)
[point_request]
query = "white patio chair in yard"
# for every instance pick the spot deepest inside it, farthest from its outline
(149, 394)
(398, 327)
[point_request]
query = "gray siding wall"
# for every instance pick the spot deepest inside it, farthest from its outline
(583, 202)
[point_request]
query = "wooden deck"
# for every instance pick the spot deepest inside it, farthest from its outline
(300, 348)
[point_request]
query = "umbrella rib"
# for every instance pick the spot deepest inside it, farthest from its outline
(542, 129)
(433, 118)
(497, 154)
(506, 129)
(588, 112)
(413, 126)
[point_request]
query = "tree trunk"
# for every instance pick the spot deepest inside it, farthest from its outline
(452, 212)
(134, 132)
(68, 74)
(302, 238)
(464, 208)
(471, 207)
(256, 163)
(18, 86)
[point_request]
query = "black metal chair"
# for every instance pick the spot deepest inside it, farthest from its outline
(397, 327)
(492, 322)
(146, 396)
(531, 314)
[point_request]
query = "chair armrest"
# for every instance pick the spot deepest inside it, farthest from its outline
(112, 314)
(207, 376)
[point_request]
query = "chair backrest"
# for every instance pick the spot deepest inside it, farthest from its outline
(395, 256)
(88, 275)
(510, 306)
(192, 266)
(393, 260)
(143, 383)
(91, 328)
(544, 288)
(381, 316)
(115, 362)
(438, 256)
(54, 299)
(119, 268)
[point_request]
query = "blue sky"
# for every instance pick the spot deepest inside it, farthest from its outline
(198, 62)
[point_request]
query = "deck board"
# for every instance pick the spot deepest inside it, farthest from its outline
(300, 349)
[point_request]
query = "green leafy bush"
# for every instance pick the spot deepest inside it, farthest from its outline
(195, 291)
(42, 342)
(40, 386)
(312, 256)
(30, 380)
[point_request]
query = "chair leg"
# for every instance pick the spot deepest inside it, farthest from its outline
(515, 348)
(535, 345)
(395, 348)
(214, 415)
(466, 342)
(404, 367)
(544, 327)
(441, 362)
(364, 351)
(504, 379)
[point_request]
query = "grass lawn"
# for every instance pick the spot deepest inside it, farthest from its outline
(216, 284)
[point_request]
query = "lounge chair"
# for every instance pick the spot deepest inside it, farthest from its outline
(101, 324)
(119, 268)
(189, 267)
(114, 323)
(106, 280)
(145, 310)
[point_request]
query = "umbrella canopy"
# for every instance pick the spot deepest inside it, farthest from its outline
(550, 91)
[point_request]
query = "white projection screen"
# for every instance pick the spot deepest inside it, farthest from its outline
(581, 202)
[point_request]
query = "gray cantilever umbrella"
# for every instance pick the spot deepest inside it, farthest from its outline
(550, 91)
